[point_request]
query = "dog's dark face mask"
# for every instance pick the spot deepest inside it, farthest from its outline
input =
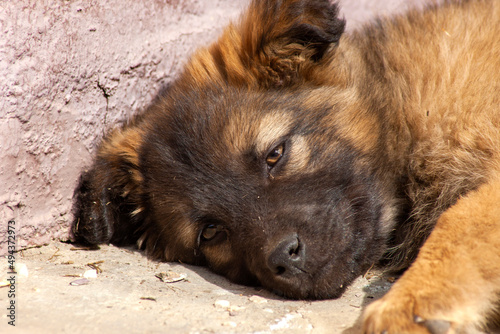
(263, 190)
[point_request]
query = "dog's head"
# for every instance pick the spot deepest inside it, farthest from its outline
(261, 187)
(256, 163)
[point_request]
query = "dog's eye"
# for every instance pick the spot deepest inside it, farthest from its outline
(211, 232)
(275, 155)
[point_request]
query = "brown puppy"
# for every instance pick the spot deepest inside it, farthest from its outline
(291, 155)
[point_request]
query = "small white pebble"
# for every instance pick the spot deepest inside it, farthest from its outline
(92, 273)
(258, 300)
(229, 324)
(221, 303)
(21, 269)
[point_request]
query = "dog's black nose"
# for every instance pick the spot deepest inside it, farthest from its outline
(288, 257)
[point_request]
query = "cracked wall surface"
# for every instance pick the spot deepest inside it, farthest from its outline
(72, 70)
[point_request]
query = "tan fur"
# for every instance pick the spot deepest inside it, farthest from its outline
(300, 156)
(456, 275)
(271, 128)
(448, 134)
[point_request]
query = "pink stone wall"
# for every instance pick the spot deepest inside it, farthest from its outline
(71, 70)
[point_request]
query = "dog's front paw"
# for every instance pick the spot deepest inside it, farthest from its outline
(398, 314)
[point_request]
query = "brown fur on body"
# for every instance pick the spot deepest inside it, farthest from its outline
(292, 155)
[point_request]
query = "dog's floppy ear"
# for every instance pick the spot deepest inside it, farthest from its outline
(277, 43)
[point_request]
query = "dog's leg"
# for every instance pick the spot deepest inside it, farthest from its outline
(108, 204)
(455, 281)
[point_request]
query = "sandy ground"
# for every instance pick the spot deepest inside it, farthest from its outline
(127, 296)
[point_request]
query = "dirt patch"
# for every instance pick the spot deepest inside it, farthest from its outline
(53, 296)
